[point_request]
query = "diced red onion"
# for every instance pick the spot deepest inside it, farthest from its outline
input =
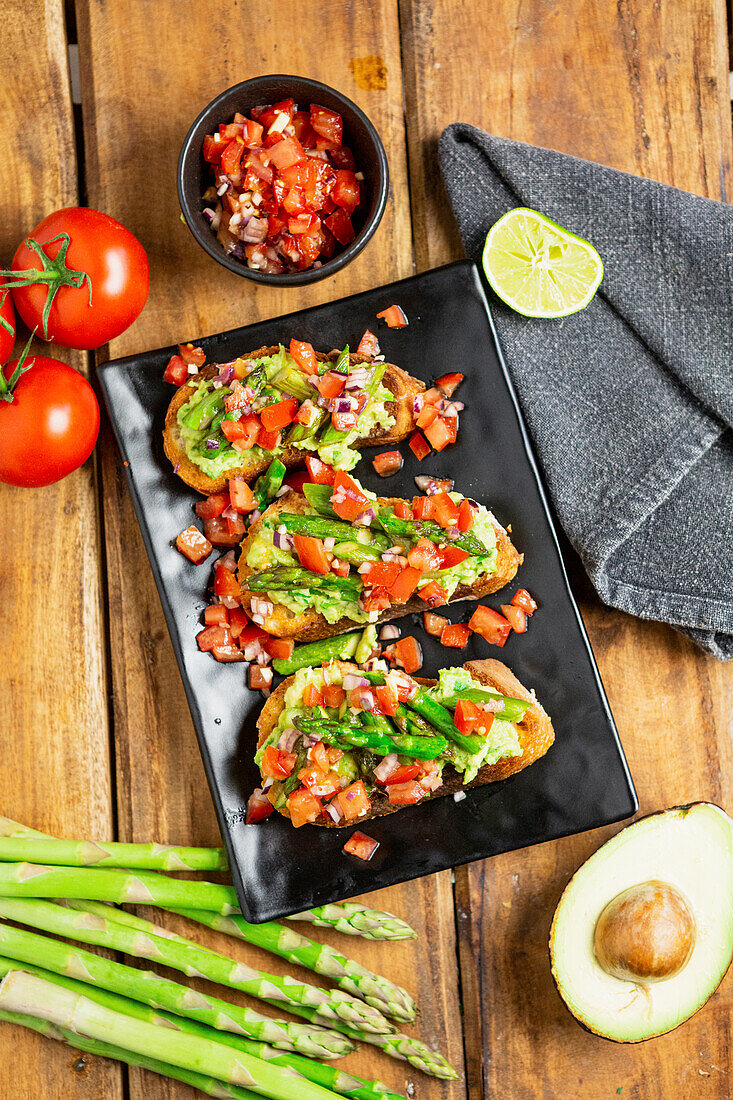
(344, 404)
(386, 766)
(283, 490)
(334, 811)
(263, 657)
(176, 468)
(365, 518)
(230, 513)
(430, 485)
(266, 674)
(230, 602)
(388, 632)
(353, 680)
(254, 516)
(209, 214)
(212, 444)
(313, 379)
(287, 739)
(357, 380)
(267, 784)
(252, 651)
(372, 665)
(228, 561)
(226, 373)
(223, 188)
(261, 606)
(329, 543)
(282, 541)
(417, 403)
(453, 532)
(256, 231)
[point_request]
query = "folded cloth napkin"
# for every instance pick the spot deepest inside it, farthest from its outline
(630, 401)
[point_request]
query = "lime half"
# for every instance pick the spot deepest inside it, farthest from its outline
(537, 267)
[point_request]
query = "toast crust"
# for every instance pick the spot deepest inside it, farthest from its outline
(402, 385)
(309, 626)
(535, 731)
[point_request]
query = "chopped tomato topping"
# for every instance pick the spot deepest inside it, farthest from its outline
(402, 588)
(467, 716)
(442, 432)
(424, 556)
(376, 599)
(406, 794)
(277, 416)
(238, 622)
(418, 446)
(260, 678)
(225, 582)
(319, 756)
(382, 572)
(176, 371)
(331, 385)
(422, 507)
(312, 696)
(243, 433)
(445, 510)
(320, 473)
(276, 763)
(516, 616)
(312, 553)
(296, 480)
(433, 624)
(394, 317)
(368, 345)
(281, 648)
(402, 510)
(432, 396)
(235, 524)
(522, 598)
(346, 192)
(320, 783)
(250, 632)
(192, 356)
(285, 153)
(216, 614)
(426, 416)
(347, 501)
(305, 356)
(490, 625)
(354, 801)
(211, 636)
(449, 383)
(304, 807)
(213, 149)
(361, 698)
(212, 506)
(388, 463)
(452, 555)
(241, 496)
(340, 568)
(333, 695)
(403, 774)
(466, 515)
(405, 652)
(432, 593)
(361, 846)
(339, 223)
(387, 699)
(195, 546)
(455, 635)
(269, 441)
(327, 124)
(217, 532)
(258, 807)
(231, 158)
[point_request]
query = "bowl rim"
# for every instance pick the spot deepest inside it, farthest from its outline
(299, 278)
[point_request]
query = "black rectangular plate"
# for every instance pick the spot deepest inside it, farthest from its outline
(583, 782)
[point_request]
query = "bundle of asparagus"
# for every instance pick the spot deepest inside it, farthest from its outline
(80, 998)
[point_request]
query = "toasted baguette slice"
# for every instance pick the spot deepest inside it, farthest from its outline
(402, 385)
(309, 626)
(535, 731)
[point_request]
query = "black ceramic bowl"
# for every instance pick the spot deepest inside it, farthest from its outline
(194, 174)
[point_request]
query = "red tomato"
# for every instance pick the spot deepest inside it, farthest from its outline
(238, 622)
(522, 598)
(260, 679)
(195, 546)
(216, 615)
(422, 507)
(176, 371)
(424, 556)
(225, 582)
(401, 589)
(276, 763)
(296, 480)
(402, 510)
(231, 159)
(354, 801)
(312, 553)
(516, 616)
(426, 416)
(361, 846)
(50, 426)
(433, 593)
(286, 153)
(388, 463)
(382, 572)
(466, 515)
(368, 345)
(213, 149)
(327, 123)
(449, 383)
(433, 624)
(303, 807)
(241, 496)
(346, 193)
(320, 473)
(304, 355)
(7, 326)
(258, 807)
(333, 695)
(280, 648)
(107, 256)
(244, 432)
(312, 696)
(452, 555)
(455, 635)
(217, 531)
(279, 415)
(269, 441)
(377, 599)
(405, 652)
(490, 625)
(406, 794)
(331, 385)
(211, 636)
(418, 446)
(394, 317)
(339, 223)
(442, 432)
(387, 699)
(403, 774)
(347, 500)
(467, 716)
(445, 510)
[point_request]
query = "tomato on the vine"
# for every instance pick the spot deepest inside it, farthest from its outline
(79, 279)
(7, 326)
(49, 421)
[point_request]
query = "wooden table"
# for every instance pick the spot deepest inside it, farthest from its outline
(96, 736)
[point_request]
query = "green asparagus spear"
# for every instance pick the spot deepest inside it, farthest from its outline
(412, 530)
(88, 853)
(211, 1086)
(190, 958)
(354, 919)
(319, 497)
(357, 553)
(341, 364)
(345, 736)
(292, 381)
(377, 991)
(442, 719)
(318, 526)
(284, 578)
(29, 994)
(267, 485)
(328, 1076)
(298, 433)
(29, 880)
(367, 642)
(331, 434)
(151, 989)
(513, 710)
(314, 654)
(8, 827)
(204, 412)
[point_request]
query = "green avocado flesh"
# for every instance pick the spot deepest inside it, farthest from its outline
(263, 555)
(275, 377)
(687, 848)
(501, 742)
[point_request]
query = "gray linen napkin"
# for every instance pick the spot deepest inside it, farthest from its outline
(629, 402)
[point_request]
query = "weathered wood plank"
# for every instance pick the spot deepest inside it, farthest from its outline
(643, 88)
(54, 744)
(137, 110)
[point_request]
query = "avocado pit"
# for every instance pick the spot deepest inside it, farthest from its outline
(646, 933)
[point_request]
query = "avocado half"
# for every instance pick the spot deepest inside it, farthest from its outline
(684, 854)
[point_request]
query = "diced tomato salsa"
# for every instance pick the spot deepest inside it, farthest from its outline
(285, 187)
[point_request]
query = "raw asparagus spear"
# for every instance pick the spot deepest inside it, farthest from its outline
(283, 578)
(346, 736)
(328, 1076)
(354, 919)
(26, 993)
(315, 654)
(8, 827)
(208, 1085)
(267, 485)
(89, 853)
(151, 989)
(193, 960)
(412, 530)
(319, 497)
(377, 991)
(30, 880)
